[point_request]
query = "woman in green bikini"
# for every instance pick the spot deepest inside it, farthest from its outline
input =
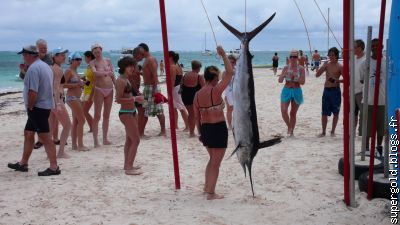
(127, 113)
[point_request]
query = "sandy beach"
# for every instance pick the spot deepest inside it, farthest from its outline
(295, 182)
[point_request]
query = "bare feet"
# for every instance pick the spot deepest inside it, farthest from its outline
(74, 147)
(321, 135)
(333, 134)
(133, 172)
(83, 148)
(63, 155)
(213, 196)
(96, 144)
(192, 135)
(106, 142)
(186, 129)
(136, 167)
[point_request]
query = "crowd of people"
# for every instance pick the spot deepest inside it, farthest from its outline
(198, 98)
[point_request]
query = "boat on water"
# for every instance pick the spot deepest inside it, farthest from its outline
(127, 51)
(206, 52)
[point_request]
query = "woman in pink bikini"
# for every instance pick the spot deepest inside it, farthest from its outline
(103, 92)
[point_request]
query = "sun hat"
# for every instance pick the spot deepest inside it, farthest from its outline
(96, 45)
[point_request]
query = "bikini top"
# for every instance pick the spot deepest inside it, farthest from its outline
(213, 107)
(74, 80)
(290, 73)
(195, 88)
(128, 87)
(62, 80)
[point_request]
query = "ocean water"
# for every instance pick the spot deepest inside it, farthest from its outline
(9, 64)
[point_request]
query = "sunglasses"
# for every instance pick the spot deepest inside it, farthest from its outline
(293, 57)
(77, 59)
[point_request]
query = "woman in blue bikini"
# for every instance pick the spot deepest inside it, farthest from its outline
(74, 84)
(292, 94)
(127, 113)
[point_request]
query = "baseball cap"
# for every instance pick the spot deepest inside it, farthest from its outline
(74, 55)
(96, 45)
(294, 52)
(30, 49)
(59, 50)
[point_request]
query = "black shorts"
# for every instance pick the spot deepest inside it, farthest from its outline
(38, 120)
(214, 135)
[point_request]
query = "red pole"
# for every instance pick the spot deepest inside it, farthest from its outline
(346, 102)
(376, 97)
(170, 98)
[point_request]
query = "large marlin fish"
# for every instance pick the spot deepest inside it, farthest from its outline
(245, 127)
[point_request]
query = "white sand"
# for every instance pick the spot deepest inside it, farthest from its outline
(296, 182)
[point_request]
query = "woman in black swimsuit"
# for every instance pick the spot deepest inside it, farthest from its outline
(191, 83)
(208, 108)
(127, 113)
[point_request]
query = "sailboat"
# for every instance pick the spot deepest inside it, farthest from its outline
(206, 51)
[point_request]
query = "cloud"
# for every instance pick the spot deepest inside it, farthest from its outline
(77, 24)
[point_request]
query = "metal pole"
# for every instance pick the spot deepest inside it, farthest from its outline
(386, 131)
(328, 29)
(170, 98)
(366, 95)
(345, 74)
(376, 97)
(352, 105)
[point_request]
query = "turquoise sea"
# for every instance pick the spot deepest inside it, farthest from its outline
(9, 64)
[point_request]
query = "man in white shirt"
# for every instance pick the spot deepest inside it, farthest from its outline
(380, 119)
(359, 47)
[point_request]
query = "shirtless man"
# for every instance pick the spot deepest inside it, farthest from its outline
(331, 98)
(135, 79)
(316, 59)
(150, 80)
(103, 92)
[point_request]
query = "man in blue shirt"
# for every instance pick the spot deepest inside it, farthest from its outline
(38, 98)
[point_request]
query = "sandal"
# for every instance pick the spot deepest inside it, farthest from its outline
(50, 172)
(58, 142)
(18, 167)
(38, 145)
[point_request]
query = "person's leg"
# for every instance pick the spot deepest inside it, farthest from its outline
(63, 117)
(161, 119)
(80, 122)
(285, 115)
(184, 115)
(98, 101)
(127, 139)
(133, 134)
(205, 189)
(216, 156)
(145, 119)
(140, 119)
(324, 122)
(50, 149)
(334, 123)
(191, 120)
(73, 128)
(29, 140)
(176, 118)
(293, 113)
(229, 110)
(106, 117)
(86, 107)
(53, 122)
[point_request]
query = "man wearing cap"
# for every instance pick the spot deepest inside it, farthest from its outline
(151, 87)
(38, 98)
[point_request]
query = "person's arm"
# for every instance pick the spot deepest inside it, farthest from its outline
(220, 87)
(202, 81)
(111, 68)
(363, 71)
(283, 74)
(322, 69)
(153, 72)
(93, 85)
(302, 78)
(197, 116)
(173, 74)
(32, 97)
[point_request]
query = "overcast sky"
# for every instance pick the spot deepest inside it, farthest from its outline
(76, 24)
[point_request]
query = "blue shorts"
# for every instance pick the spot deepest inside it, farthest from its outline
(331, 100)
(294, 94)
(316, 63)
